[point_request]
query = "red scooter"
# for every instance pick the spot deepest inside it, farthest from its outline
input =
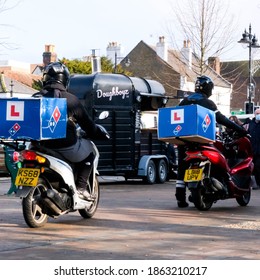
(219, 171)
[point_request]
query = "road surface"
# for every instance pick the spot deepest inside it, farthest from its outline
(134, 221)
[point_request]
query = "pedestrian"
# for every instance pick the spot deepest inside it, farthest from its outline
(203, 90)
(235, 120)
(254, 131)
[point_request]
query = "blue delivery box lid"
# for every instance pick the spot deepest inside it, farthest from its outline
(33, 118)
(189, 123)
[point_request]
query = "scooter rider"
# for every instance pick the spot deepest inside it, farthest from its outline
(55, 80)
(203, 90)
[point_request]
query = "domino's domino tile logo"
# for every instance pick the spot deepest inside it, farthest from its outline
(54, 119)
(12, 131)
(206, 123)
(177, 129)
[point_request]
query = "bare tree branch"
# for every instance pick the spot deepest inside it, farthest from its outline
(4, 41)
(208, 26)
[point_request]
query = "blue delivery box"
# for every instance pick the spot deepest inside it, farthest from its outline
(189, 123)
(33, 118)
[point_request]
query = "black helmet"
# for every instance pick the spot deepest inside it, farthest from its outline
(56, 72)
(205, 85)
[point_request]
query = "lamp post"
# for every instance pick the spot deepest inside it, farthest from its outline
(126, 59)
(11, 91)
(250, 40)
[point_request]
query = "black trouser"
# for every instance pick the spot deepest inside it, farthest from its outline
(83, 170)
(78, 154)
(180, 193)
(257, 169)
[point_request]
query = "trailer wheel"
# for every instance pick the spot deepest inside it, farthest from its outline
(161, 171)
(151, 172)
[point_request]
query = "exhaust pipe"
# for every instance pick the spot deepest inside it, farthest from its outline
(52, 200)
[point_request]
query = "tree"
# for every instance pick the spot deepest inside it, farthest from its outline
(37, 84)
(207, 25)
(4, 44)
(77, 66)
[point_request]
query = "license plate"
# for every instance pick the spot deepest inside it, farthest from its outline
(192, 175)
(27, 177)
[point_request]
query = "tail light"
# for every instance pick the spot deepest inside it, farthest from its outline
(32, 156)
(16, 156)
(28, 155)
(195, 154)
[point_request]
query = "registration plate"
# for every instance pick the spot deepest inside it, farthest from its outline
(27, 177)
(192, 175)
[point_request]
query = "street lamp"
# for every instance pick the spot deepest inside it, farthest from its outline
(127, 61)
(251, 41)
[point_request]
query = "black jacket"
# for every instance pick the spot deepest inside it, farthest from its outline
(254, 131)
(76, 113)
(202, 100)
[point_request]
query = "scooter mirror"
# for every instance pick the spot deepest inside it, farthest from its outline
(103, 115)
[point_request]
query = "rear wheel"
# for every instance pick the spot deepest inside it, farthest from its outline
(32, 209)
(151, 172)
(244, 200)
(89, 212)
(162, 171)
(199, 199)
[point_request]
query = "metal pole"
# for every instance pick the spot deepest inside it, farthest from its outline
(251, 41)
(115, 62)
(11, 91)
(250, 72)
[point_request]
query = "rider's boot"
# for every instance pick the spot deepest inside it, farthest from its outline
(181, 194)
(82, 183)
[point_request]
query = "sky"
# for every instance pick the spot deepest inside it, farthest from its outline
(76, 27)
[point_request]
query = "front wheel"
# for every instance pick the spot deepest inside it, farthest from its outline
(244, 199)
(89, 212)
(199, 199)
(32, 209)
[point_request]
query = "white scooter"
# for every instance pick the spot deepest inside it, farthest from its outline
(46, 184)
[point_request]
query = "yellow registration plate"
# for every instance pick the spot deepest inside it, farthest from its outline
(27, 177)
(192, 175)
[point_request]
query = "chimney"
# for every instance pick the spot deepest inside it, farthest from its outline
(114, 52)
(49, 55)
(162, 48)
(214, 63)
(95, 62)
(186, 53)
